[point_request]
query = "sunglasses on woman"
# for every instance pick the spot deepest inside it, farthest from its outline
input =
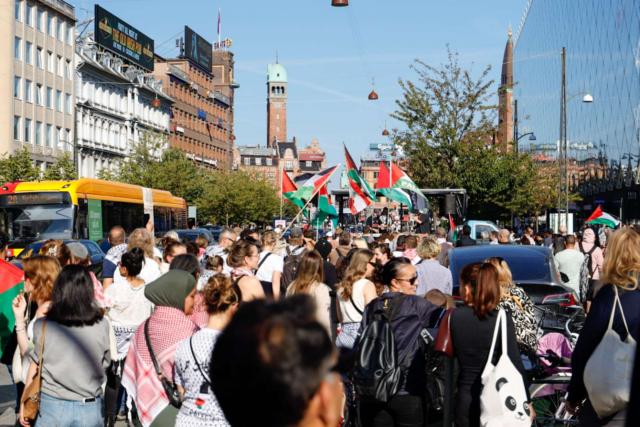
(411, 281)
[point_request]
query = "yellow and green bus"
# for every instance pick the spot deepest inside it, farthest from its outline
(84, 209)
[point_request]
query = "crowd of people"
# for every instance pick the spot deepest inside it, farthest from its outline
(259, 331)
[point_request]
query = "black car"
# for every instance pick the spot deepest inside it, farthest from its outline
(97, 255)
(192, 235)
(532, 268)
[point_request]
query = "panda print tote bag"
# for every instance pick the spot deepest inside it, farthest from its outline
(503, 401)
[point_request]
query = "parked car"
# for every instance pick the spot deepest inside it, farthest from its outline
(97, 255)
(215, 230)
(194, 234)
(532, 268)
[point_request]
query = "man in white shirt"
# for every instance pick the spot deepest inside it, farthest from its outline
(570, 263)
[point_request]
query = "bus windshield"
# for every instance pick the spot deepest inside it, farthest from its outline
(29, 223)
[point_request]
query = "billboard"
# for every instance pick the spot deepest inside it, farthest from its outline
(122, 39)
(197, 49)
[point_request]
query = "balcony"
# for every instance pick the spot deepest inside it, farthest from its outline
(178, 73)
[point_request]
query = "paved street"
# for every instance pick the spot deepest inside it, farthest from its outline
(7, 399)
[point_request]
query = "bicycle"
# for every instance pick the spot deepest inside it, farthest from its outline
(549, 392)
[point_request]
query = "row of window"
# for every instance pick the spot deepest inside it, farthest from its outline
(200, 78)
(104, 132)
(32, 13)
(191, 145)
(28, 95)
(61, 66)
(62, 136)
(187, 95)
(184, 119)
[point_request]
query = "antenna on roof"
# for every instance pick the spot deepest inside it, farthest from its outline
(276, 57)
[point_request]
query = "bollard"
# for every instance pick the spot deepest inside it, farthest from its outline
(449, 387)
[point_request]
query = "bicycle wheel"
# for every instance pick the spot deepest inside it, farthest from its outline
(548, 400)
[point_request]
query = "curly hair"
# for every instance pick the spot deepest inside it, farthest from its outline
(220, 294)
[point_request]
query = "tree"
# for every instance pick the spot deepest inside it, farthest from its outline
(62, 170)
(18, 167)
(450, 125)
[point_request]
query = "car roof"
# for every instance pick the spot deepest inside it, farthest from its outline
(535, 255)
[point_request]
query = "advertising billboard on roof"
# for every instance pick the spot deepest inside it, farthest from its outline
(122, 39)
(197, 49)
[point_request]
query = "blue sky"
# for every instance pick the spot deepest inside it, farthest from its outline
(328, 84)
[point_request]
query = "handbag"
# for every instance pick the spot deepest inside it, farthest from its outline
(503, 401)
(443, 339)
(607, 375)
(32, 393)
(170, 388)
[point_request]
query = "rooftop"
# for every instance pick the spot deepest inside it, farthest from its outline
(276, 74)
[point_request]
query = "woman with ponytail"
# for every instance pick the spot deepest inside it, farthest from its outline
(472, 327)
(200, 407)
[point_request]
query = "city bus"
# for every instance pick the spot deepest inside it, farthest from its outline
(84, 209)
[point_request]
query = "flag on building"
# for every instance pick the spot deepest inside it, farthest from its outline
(325, 209)
(313, 185)
(288, 188)
(360, 194)
(219, 21)
(396, 186)
(10, 287)
(599, 217)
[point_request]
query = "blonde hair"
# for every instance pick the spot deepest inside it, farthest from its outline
(360, 243)
(429, 248)
(141, 238)
(42, 271)
(504, 273)
(268, 238)
(356, 271)
(202, 242)
(311, 271)
(622, 263)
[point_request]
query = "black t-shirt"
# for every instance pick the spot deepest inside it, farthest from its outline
(423, 228)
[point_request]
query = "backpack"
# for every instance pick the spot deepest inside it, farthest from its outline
(586, 272)
(290, 270)
(378, 374)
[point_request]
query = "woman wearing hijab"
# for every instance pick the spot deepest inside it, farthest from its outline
(173, 295)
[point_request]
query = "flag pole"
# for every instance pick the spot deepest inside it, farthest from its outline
(281, 192)
(390, 185)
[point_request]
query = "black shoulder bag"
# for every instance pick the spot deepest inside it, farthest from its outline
(170, 388)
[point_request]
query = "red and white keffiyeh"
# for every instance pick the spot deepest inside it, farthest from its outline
(200, 316)
(241, 271)
(102, 300)
(167, 328)
(413, 256)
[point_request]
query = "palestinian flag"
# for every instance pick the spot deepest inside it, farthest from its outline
(288, 188)
(599, 217)
(396, 186)
(10, 287)
(313, 185)
(360, 194)
(452, 234)
(325, 209)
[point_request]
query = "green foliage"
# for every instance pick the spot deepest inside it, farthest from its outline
(62, 170)
(450, 124)
(18, 167)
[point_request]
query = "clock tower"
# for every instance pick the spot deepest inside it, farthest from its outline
(276, 104)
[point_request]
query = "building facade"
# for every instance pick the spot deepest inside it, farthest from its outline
(113, 107)
(224, 82)
(201, 120)
(602, 41)
(37, 42)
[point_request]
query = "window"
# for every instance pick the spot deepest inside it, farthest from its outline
(269, 162)
(38, 133)
(39, 95)
(59, 138)
(17, 82)
(27, 91)
(49, 24)
(69, 34)
(277, 128)
(258, 161)
(39, 58)
(59, 30)
(49, 97)
(67, 73)
(49, 135)
(309, 163)
(27, 130)
(60, 66)
(67, 144)
(247, 161)
(28, 52)
(67, 103)
(288, 164)
(18, 10)
(58, 100)
(39, 20)
(49, 62)
(29, 18)
(17, 48)
(16, 128)
(272, 175)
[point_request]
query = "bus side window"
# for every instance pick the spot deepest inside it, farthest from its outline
(82, 230)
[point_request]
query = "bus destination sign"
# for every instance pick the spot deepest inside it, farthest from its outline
(31, 199)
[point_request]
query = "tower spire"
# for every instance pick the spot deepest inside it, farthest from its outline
(510, 30)
(277, 57)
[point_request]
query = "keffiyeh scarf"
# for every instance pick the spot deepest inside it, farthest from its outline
(115, 253)
(241, 271)
(167, 328)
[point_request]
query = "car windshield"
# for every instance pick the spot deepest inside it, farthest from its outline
(39, 222)
(529, 268)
